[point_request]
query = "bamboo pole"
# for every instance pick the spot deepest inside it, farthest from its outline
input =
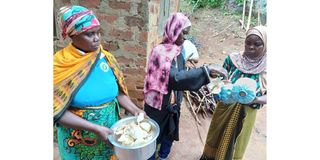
(249, 18)
(259, 12)
(259, 23)
(243, 13)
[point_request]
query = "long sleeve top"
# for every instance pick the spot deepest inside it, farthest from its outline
(180, 79)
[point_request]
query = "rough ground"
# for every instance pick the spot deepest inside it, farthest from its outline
(219, 34)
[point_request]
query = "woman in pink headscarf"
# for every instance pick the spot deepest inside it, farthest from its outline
(166, 78)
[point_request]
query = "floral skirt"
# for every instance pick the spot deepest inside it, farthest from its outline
(85, 145)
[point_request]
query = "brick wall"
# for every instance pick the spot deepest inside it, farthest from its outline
(129, 31)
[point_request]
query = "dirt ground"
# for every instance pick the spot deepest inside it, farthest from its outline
(218, 34)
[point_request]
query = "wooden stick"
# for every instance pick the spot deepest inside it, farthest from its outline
(203, 108)
(249, 18)
(199, 98)
(259, 12)
(259, 23)
(201, 139)
(243, 13)
(223, 30)
(242, 24)
(191, 107)
(200, 106)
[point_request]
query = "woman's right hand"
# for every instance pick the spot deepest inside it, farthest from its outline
(102, 132)
(71, 120)
(216, 70)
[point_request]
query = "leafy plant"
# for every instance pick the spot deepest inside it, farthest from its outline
(207, 3)
(239, 2)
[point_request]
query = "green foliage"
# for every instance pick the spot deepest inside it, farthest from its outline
(211, 3)
(239, 2)
(207, 3)
(215, 3)
(186, 7)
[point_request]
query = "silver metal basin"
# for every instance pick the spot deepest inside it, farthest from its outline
(140, 152)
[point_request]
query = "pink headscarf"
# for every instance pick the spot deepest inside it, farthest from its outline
(175, 24)
(159, 63)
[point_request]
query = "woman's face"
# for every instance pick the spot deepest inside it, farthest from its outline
(87, 41)
(253, 46)
(181, 37)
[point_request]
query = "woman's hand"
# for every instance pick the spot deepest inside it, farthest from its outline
(216, 70)
(138, 111)
(128, 105)
(227, 82)
(71, 120)
(102, 132)
(260, 100)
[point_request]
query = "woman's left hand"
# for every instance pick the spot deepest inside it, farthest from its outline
(138, 111)
(260, 100)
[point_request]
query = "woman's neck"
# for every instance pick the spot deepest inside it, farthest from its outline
(82, 52)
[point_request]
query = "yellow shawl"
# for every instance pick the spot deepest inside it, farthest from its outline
(70, 69)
